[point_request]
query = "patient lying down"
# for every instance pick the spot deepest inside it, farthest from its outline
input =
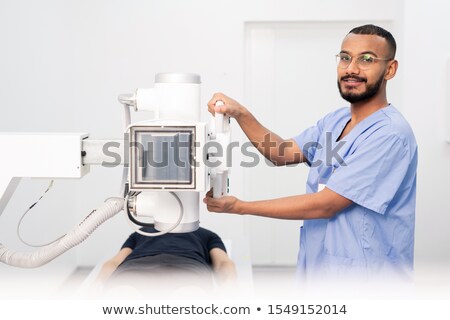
(171, 264)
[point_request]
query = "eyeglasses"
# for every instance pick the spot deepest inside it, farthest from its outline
(364, 61)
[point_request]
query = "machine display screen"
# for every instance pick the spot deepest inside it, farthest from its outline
(164, 157)
(167, 157)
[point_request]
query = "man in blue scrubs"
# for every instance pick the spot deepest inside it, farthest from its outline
(359, 209)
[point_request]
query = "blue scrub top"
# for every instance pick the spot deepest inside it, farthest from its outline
(374, 165)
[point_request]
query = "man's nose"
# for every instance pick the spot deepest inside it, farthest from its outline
(353, 67)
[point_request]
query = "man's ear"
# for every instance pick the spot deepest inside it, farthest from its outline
(391, 70)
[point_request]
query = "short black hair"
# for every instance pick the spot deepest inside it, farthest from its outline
(370, 29)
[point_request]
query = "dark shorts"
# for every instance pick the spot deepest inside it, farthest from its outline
(164, 270)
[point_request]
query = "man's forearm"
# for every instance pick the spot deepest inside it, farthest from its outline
(225, 273)
(300, 207)
(294, 208)
(105, 272)
(269, 144)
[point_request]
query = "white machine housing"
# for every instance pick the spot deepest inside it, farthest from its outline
(167, 189)
(175, 103)
(38, 155)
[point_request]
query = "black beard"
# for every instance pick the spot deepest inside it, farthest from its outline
(371, 91)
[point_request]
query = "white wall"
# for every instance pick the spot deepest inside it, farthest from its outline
(426, 50)
(63, 64)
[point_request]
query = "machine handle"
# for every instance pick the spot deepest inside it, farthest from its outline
(219, 119)
(222, 135)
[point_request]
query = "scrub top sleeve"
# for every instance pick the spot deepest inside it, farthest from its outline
(372, 175)
(130, 242)
(214, 241)
(308, 141)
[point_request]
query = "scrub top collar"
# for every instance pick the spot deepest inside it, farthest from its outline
(361, 126)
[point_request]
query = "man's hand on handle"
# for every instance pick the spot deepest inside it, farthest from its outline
(230, 107)
(228, 204)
